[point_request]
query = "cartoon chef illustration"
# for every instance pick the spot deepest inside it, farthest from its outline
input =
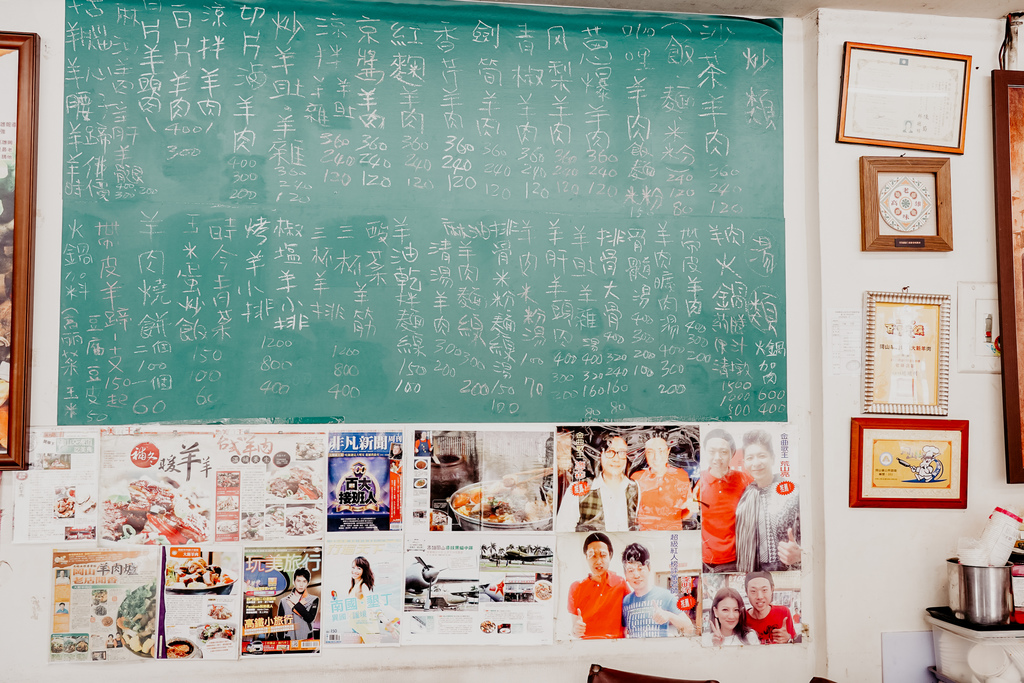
(930, 467)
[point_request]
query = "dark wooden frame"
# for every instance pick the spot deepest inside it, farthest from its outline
(26, 159)
(870, 239)
(1009, 252)
(844, 96)
(858, 427)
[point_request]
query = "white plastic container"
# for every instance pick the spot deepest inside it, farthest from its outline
(1001, 533)
(987, 660)
(954, 644)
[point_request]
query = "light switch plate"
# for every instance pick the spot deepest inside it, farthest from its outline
(977, 327)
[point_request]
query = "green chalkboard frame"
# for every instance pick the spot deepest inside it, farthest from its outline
(571, 362)
(19, 276)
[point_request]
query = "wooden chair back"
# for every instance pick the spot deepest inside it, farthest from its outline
(600, 674)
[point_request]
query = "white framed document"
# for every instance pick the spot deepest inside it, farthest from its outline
(899, 97)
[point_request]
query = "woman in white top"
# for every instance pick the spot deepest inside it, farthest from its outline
(729, 620)
(362, 585)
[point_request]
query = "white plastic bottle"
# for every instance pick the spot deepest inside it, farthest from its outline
(1001, 533)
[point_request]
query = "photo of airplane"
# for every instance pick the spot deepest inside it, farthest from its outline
(495, 554)
(427, 589)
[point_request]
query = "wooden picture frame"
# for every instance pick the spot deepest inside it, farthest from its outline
(901, 97)
(1008, 139)
(906, 353)
(19, 89)
(908, 463)
(905, 204)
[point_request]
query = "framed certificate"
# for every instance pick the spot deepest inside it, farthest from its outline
(908, 463)
(898, 97)
(906, 355)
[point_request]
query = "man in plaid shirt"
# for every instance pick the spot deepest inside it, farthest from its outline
(611, 501)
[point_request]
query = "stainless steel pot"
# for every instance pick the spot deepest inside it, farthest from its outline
(980, 595)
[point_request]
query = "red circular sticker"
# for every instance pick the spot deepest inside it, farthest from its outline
(785, 488)
(687, 602)
(580, 488)
(145, 455)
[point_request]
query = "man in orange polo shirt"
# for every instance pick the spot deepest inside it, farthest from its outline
(664, 490)
(720, 490)
(595, 602)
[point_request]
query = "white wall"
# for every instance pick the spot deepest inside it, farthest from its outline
(866, 572)
(884, 567)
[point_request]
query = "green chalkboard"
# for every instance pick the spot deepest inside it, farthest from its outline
(390, 212)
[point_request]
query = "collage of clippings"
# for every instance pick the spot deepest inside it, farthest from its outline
(58, 497)
(218, 543)
(694, 528)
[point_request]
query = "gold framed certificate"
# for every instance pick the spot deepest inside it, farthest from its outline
(906, 357)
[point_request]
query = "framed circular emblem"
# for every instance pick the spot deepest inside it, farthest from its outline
(905, 204)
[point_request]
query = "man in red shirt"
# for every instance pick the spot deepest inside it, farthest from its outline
(772, 623)
(664, 490)
(720, 490)
(595, 602)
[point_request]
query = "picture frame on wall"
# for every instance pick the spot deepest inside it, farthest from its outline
(906, 353)
(1008, 140)
(908, 463)
(905, 204)
(902, 97)
(19, 115)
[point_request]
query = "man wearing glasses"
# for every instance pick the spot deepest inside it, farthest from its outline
(611, 501)
(595, 602)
